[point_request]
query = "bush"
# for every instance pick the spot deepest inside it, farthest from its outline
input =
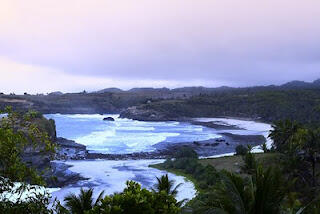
(250, 163)
(241, 150)
(186, 152)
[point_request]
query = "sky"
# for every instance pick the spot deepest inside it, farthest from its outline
(75, 45)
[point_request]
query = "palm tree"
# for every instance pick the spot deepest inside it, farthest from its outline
(283, 133)
(261, 194)
(83, 202)
(269, 191)
(310, 141)
(166, 185)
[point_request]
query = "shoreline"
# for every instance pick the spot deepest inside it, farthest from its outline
(215, 147)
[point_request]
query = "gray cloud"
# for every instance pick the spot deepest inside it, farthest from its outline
(229, 42)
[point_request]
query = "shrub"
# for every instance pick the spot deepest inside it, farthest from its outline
(186, 152)
(241, 150)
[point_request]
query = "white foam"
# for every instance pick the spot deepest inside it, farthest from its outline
(30, 192)
(111, 176)
(251, 127)
(3, 115)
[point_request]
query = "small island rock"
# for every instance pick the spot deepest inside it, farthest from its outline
(108, 119)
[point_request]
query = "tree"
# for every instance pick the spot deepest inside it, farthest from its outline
(135, 200)
(309, 141)
(264, 193)
(250, 163)
(186, 152)
(241, 150)
(166, 185)
(83, 202)
(282, 135)
(19, 133)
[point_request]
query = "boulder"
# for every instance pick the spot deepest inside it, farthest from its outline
(108, 119)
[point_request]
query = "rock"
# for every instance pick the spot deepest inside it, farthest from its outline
(108, 119)
(196, 143)
(61, 176)
(142, 114)
(69, 149)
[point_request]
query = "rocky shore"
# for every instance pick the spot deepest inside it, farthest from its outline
(226, 143)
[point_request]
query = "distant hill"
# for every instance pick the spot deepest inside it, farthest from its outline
(56, 93)
(141, 90)
(302, 84)
(316, 82)
(109, 90)
(289, 100)
(192, 90)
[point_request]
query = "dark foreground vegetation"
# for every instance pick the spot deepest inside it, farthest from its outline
(284, 179)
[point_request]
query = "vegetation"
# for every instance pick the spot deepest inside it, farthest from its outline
(132, 200)
(241, 150)
(263, 103)
(82, 203)
(19, 134)
(283, 181)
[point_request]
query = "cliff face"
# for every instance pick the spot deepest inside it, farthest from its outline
(34, 150)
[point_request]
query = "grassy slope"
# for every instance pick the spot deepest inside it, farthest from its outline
(232, 164)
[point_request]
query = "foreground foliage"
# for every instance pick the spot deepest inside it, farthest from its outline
(18, 134)
(287, 185)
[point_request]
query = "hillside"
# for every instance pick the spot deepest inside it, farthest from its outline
(294, 100)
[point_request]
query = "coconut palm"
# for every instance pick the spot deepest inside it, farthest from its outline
(283, 133)
(83, 202)
(166, 185)
(310, 141)
(261, 194)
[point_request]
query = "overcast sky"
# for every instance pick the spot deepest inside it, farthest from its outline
(71, 45)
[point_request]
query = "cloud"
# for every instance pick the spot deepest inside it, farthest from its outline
(214, 42)
(34, 79)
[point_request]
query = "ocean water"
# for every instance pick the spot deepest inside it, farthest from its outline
(248, 127)
(124, 136)
(111, 176)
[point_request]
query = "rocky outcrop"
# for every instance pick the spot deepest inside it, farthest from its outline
(108, 119)
(61, 175)
(144, 114)
(69, 149)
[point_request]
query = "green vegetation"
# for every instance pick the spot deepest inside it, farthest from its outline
(284, 180)
(18, 134)
(241, 150)
(133, 200)
(264, 103)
